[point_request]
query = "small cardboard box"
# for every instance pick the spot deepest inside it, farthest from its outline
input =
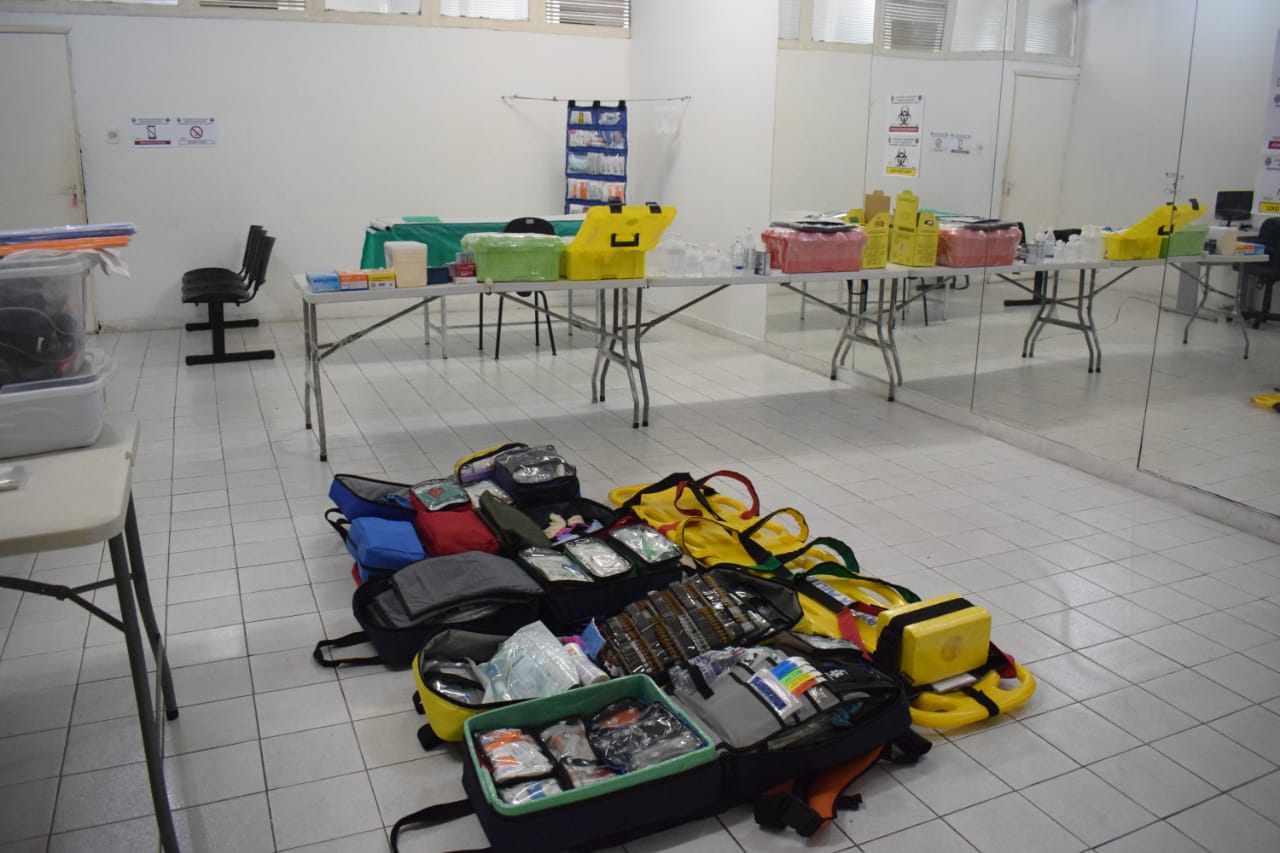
(379, 279)
(353, 280)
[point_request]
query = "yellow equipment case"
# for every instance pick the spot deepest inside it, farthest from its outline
(613, 240)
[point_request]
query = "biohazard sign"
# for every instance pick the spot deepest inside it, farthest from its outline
(1266, 183)
(906, 121)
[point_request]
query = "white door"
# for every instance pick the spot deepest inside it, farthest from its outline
(41, 179)
(1037, 149)
(40, 176)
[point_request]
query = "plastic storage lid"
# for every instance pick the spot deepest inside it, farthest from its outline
(510, 240)
(67, 264)
(94, 363)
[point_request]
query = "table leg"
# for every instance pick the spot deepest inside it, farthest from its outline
(1047, 312)
(804, 298)
(1203, 284)
(1237, 308)
(315, 382)
(602, 338)
(880, 336)
(143, 592)
(893, 325)
(627, 364)
(1088, 313)
(307, 349)
(635, 342)
(142, 694)
(1080, 318)
(570, 294)
(444, 329)
(426, 323)
(1033, 331)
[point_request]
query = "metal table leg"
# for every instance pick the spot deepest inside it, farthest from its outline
(143, 592)
(1086, 326)
(1203, 284)
(635, 342)
(1237, 306)
(315, 382)
(1088, 313)
(309, 349)
(627, 364)
(893, 324)
(151, 743)
(602, 341)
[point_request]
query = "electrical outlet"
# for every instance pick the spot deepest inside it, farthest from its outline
(113, 137)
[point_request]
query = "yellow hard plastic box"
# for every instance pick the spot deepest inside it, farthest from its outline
(938, 648)
(915, 247)
(613, 240)
(875, 253)
(1143, 239)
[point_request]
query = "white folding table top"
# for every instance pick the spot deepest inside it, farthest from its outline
(71, 497)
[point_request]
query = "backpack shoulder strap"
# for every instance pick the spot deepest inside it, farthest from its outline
(353, 639)
(431, 816)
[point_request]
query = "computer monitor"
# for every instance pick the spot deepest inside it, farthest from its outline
(1234, 206)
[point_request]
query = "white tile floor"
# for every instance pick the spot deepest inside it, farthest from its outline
(1155, 635)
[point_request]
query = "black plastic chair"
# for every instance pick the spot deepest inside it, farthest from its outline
(528, 225)
(1264, 276)
(217, 291)
(251, 244)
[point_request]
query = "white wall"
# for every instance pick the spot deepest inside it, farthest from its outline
(323, 127)
(1127, 120)
(716, 169)
(820, 130)
(1227, 96)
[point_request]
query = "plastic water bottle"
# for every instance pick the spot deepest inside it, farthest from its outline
(1044, 239)
(738, 255)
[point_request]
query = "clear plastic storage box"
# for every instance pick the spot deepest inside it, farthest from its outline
(55, 414)
(43, 304)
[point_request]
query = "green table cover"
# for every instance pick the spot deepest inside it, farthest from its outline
(443, 239)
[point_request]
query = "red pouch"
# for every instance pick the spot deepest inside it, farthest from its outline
(452, 531)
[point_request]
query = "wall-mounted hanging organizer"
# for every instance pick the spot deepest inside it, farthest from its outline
(595, 168)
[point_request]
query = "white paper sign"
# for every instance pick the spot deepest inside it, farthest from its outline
(152, 132)
(168, 132)
(197, 131)
(951, 143)
(905, 120)
(1266, 185)
(902, 156)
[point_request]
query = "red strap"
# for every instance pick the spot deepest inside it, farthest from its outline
(754, 510)
(848, 624)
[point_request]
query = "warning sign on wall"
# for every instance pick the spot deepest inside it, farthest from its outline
(152, 132)
(169, 132)
(197, 131)
(906, 119)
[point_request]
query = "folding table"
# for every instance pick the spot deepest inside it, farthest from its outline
(80, 497)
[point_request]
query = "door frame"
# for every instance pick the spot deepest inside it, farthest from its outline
(91, 321)
(1013, 107)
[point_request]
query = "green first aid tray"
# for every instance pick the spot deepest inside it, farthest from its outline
(581, 702)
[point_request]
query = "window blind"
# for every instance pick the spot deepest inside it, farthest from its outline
(788, 20)
(914, 24)
(278, 5)
(983, 25)
(594, 13)
(505, 10)
(844, 21)
(1051, 27)
(379, 7)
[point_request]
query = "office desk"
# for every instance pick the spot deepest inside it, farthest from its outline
(82, 497)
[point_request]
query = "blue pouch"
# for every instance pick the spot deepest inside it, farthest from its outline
(362, 497)
(381, 546)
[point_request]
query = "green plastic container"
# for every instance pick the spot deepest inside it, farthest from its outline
(1188, 240)
(581, 702)
(515, 257)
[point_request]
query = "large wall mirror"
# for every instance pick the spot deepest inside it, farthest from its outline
(1201, 427)
(1064, 117)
